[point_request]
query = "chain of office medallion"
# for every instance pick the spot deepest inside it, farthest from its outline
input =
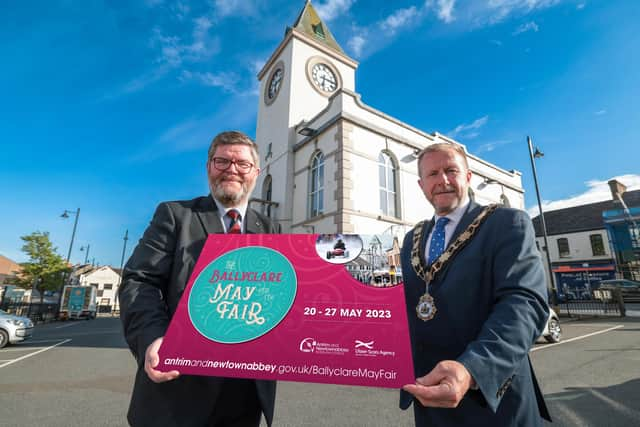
(419, 264)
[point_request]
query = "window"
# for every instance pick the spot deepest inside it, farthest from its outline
(597, 245)
(108, 286)
(100, 292)
(266, 194)
(563, 247)
(387, 184)
(504, 201)
(316, 185)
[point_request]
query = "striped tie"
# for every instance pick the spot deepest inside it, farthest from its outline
(234, 226)
(436, 246)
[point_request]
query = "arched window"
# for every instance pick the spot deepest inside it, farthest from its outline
(316, 185)
(387, 184)
(504, 201)
(267, 194)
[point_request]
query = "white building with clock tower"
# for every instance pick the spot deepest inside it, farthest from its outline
(332, 164)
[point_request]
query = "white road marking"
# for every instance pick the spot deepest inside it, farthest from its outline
(619, 407)
(33, 354)
(67, 325)
(576, 338)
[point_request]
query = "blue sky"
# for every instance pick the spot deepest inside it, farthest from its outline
(109, 106)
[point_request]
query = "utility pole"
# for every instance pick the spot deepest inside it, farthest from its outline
(124, 249)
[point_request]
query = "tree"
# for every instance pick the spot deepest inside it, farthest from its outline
(45, 269)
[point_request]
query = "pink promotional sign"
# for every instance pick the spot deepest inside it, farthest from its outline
(296, 307)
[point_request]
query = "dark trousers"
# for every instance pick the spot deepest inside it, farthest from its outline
(237, 405)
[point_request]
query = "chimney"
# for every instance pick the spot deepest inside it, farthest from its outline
(617, 189)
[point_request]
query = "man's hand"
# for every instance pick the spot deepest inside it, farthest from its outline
(443, 387)
(151, 360)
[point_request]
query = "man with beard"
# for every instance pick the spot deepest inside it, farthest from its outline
(154, 279)
(476, 302)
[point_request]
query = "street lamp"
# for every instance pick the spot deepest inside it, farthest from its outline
(86, 255)
(124, 248)
(536, 155)
(65, 215)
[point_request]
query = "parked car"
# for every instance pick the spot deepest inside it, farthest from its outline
(629, 289)
(14, 329)
(552, 331)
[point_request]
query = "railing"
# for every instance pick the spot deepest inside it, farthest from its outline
(45, 312)
(599, 303)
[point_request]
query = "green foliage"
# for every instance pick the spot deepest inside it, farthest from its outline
(45, 266)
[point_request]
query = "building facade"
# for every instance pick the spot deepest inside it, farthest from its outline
(590, 243)
(105, 279)
(331, 163)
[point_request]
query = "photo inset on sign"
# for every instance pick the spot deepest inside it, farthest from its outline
(378, 264)
(338, 248)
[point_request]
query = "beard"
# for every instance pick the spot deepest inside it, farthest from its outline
(230, 197)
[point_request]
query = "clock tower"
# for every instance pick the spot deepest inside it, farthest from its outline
(306, 70)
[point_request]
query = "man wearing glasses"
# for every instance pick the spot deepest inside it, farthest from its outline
(154, 279)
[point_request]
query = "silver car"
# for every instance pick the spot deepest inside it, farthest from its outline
(552, 331)
(14, 329)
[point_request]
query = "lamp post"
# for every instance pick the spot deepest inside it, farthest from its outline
(65, 215)
(124, 248)
(86, 254)
(536, 155)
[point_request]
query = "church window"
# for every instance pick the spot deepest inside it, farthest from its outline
(316, 185)
(318, 30)
(387, 184)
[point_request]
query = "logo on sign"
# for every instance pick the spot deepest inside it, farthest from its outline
(307, 345)
(242, 295)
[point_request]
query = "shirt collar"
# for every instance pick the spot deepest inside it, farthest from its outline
(222, 209)
(456, 215)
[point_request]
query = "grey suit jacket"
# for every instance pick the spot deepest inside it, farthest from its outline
(154, 279)
(492, 306)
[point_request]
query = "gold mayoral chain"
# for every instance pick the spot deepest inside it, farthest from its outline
(426, 308)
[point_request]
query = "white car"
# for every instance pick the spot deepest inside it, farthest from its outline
(552, 331)
(14, 329)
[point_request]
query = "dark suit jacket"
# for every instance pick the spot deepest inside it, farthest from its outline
(153, 281)
(492, 306)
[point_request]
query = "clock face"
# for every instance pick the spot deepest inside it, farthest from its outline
(275, 83)
(324, 77)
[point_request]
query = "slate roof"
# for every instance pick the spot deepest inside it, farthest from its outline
(582, 218)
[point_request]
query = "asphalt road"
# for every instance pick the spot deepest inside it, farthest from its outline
(80, 373)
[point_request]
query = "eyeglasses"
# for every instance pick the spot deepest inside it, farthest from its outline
(223, 164)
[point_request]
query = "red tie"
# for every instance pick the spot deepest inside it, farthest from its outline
(234, 227)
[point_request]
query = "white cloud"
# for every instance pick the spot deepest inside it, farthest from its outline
(598, 191)
(234, 7)
(399, 19)
(495, 11)
(529, 26)
(365, 41)
(224, 80)
(580, 6)
(333, 8)
(356, 44)
(468, 130)
(488, 147)
(193, 134)
(600, 112)
(445, 10)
